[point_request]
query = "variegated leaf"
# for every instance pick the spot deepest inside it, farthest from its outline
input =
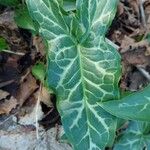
(83, 68)
(95, 16)
(133, 107)
(69, 5)
(135, 137)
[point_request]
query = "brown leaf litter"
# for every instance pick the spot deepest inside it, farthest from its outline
(6, 105)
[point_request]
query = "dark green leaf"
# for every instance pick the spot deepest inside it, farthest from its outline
(9, 2)
(121, 122)
(83, 68)
(135, 137)
(39, 71)
(148, 37)
(147, 141)
(23, 19)
(125, 93)
(69, 5)
(3, 44)
(134, 107)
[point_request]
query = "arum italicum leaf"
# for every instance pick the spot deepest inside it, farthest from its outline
(135, 137)
(134, 107)
(83, 69)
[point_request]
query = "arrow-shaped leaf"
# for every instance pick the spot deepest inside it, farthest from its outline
(83, 69)
(134, 107)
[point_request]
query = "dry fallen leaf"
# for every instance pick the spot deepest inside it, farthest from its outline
(126, 43)
(7, 105)
(120, 8)
(38, 43)
(136, 57)
(45, 97)
(134, 4)
(29, 118)
(7, 18)
(3, 94)
(117, 36)
(147, 13)
(26, 89)
(147, 53)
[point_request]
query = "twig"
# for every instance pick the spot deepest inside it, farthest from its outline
(135, 46)
(111, 43)
(144, 72)
(142, 13)
(36, 111)
(1, 123)
(11, 52)
(2, 84)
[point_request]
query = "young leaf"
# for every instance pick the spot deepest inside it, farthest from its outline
(39, 71)
(135, 137)
(3, 44)
(83, 68)
(23, 19)
(134, 107)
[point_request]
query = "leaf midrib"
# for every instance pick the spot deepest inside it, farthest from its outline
(83, 85)
(85, 99)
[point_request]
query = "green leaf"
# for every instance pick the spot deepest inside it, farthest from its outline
(9, 2)
(3, 44)
(83, 68)
(147, 141)
(125, 93)
(135, 137)
(120, 123)
(23, 19)
(39, 71)
(69, 5)
(96, 15)
(133, 107)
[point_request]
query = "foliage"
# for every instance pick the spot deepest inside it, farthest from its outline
(21, 15)
(3, 44)
(84, 71)
(133, 107)
(9, 2)
(23, 19)
(136, 137)
(39, 71)
(69, 5)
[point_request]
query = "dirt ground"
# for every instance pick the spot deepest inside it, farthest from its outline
(28, 115)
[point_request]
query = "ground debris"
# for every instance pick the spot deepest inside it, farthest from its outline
(26, 137)
(27, 87)
(7, 104)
